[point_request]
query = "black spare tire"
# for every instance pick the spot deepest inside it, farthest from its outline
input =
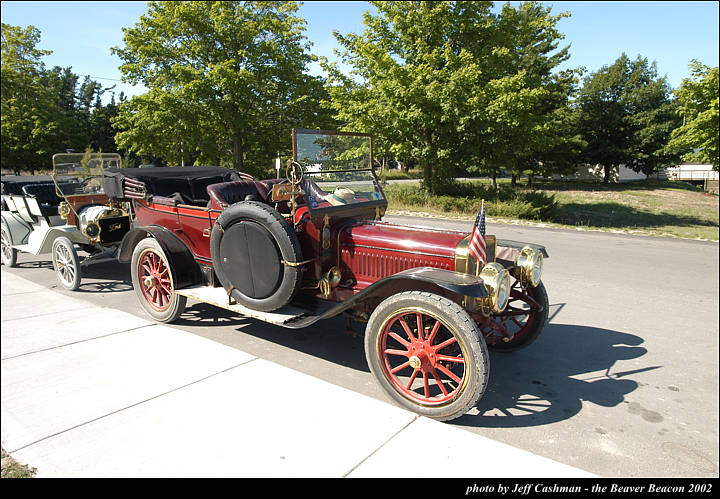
(249, 244)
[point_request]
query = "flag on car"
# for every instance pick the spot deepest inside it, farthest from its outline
(477, 238)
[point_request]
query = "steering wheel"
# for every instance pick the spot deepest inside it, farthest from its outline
(294, 172)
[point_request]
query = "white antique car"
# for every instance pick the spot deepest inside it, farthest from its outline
(64, 213)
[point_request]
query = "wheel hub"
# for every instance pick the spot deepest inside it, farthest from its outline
(415, 362)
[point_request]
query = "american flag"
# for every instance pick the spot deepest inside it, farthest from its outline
(477, 238)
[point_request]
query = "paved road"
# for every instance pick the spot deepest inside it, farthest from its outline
(623, 381)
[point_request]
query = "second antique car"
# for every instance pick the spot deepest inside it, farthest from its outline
(313, 245)
(64, 213)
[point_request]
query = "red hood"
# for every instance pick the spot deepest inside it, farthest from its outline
(375, 250)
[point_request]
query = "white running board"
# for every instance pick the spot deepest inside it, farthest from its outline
(219, 298)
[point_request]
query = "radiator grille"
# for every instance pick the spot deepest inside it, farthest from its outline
(113, 229)
(375, 265)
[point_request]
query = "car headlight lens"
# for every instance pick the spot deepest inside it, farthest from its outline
(529, 264)
(92, 230)
(497, 283)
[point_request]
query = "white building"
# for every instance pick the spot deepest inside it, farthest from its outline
(692, 171)
(597, 172)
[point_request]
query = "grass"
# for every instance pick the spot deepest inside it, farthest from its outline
(12, 469)
(393, 174)
(650, 207)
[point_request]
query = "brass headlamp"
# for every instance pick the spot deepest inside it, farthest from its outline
(64, 210)
(528, 266)
(497, 283)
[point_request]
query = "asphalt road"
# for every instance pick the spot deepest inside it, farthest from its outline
(623, 382)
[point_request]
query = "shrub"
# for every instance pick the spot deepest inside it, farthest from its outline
(466, 198)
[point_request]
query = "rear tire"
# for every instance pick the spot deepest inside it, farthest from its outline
(9, 254)
(154, 282)
(440, 373)
(66, 263)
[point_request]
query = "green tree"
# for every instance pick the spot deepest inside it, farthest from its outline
(697, 99)
(410, 68)
(625, 117)
(518, 121)
(453, 85)
(29, 122)
(226, 82)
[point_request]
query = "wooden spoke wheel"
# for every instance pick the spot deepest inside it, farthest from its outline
(66, 263)
(427, 354)
(9, 254)
(154, 282)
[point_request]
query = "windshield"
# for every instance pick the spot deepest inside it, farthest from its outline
(87, 168)
(337, 170)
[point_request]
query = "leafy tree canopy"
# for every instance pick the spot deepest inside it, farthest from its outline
(226, 82)
(697, 100)
(451, 84)
(625, 116)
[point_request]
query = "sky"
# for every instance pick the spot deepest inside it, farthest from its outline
(80, 34)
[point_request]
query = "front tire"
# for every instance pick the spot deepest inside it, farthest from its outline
(440, 373)
(154, 282)
(66, 263)
(9, 254)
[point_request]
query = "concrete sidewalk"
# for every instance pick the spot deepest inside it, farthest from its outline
(89, 391)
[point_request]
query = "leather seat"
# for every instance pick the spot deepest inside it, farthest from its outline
(228, 193)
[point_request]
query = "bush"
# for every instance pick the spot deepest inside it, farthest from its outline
(466, 198)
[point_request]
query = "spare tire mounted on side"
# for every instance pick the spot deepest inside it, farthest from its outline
(249, 243)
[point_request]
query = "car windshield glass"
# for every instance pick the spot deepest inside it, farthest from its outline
(337, 168)
(88, 168)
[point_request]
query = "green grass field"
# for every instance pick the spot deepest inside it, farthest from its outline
(649, 207)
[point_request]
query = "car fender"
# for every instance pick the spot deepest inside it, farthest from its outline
(182, 263)
(439, 279)
(18, 229)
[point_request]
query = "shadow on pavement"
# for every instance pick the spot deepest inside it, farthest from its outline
(548, 381)
(327, 340)
(544, 383)
(105, 277)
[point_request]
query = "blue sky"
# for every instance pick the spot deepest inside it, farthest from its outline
(80, 34)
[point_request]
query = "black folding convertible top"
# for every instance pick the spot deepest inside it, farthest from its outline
(188, 180)
(13, 184)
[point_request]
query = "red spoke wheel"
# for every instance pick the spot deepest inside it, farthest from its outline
(154, 283)
(522, 321)
(427, 354)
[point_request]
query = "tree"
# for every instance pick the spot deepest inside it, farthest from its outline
(697, 99)
(44, 111)
(226, 80)
(518, 121)
(409, 70)
(29, 115)
(450, 84)
(625, 117)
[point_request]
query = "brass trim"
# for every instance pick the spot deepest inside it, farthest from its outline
(461, 255)
(465, 263)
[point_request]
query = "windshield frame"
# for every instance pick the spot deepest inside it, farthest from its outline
(365, 209)
(106, 160)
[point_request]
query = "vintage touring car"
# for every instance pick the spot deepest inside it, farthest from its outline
(63, 213)
(310, 246)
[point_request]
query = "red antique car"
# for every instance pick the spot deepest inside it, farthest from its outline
(310, 246)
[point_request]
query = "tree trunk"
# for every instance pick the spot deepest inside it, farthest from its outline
(427, 174)
(494, 180)
(237, 152)
(606, 176)
(530, 179)
(513, 180)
